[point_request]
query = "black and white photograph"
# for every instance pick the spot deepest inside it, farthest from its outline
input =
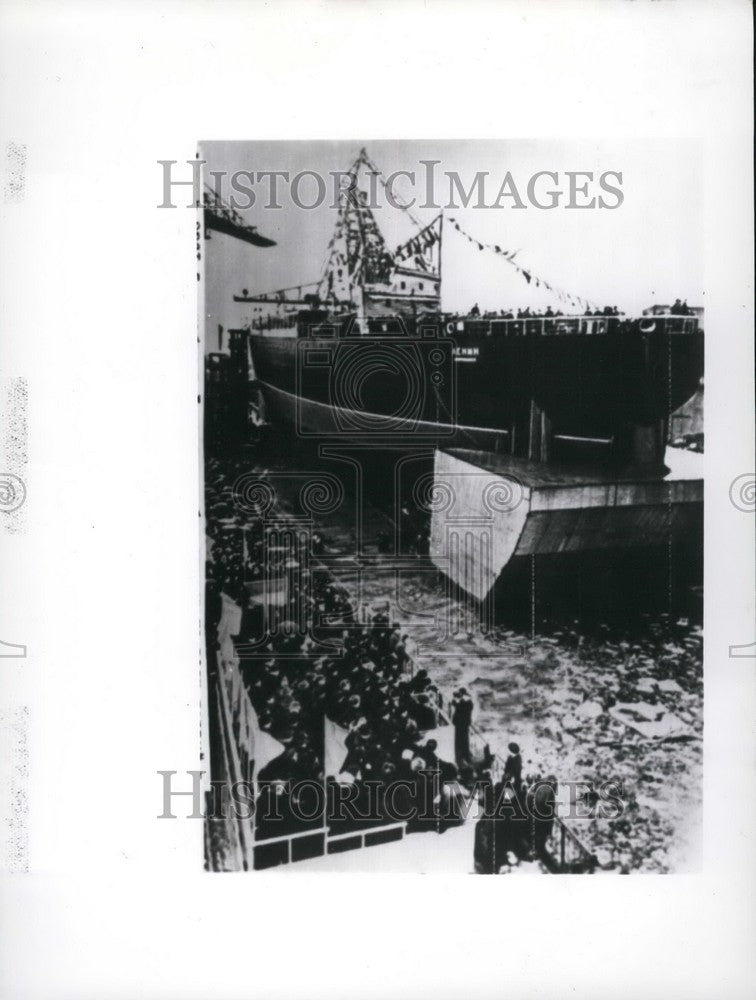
(377, 500)
(453, 436)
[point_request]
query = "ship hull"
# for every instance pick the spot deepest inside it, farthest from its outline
(315, 420)
(480, 384)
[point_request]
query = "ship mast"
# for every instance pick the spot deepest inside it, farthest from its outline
(357, 256)
(383, 283)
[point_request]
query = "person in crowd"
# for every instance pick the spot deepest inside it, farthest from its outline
(542, 811)
(513, 767)
(462, 710)
(429, 755)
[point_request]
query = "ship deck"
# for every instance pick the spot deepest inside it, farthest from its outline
(683, 466)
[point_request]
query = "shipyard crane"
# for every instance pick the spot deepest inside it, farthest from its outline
(221, 217)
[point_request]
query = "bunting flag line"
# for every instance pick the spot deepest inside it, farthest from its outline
(530, 278)
(363, 158)
(357, 251)
(418, 245)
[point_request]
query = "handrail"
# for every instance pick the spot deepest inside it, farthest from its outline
(543, 326)
(266, 841)
(568, 325)
(328, 838)
(378, 828)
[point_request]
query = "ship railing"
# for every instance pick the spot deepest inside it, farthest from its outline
(590, 326)
(669, 324)
(271, 322)
(535, 326)
(555, 326)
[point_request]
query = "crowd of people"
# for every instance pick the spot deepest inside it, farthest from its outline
(547, 313)
(327, 661)
(678, 308)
